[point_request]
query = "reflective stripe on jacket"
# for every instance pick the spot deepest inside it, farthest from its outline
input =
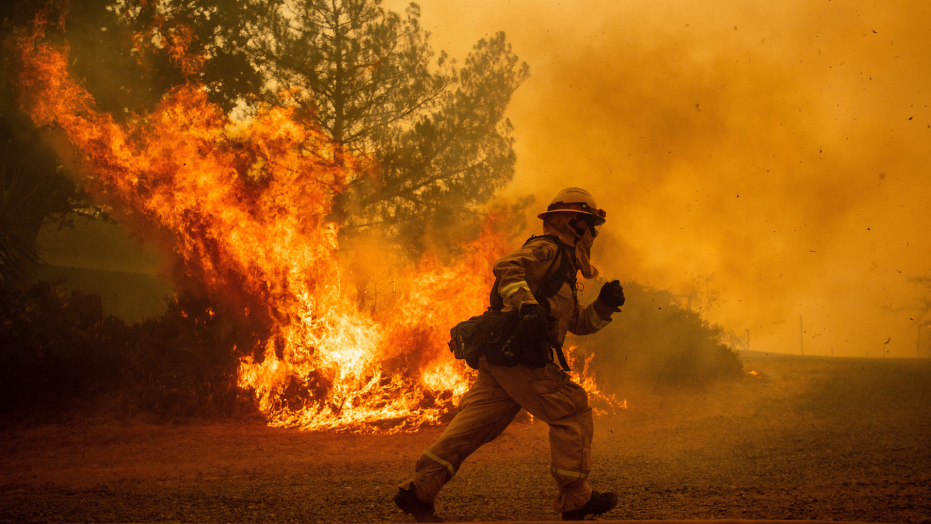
(520, 272)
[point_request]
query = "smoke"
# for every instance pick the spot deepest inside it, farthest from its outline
(771, 157)
(767, 159)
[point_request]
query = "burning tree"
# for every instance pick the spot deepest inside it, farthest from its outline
(430, 139)
(246, 205)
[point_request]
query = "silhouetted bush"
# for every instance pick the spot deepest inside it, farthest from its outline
(58, 350)
(657, 342)
(184, 363)
(52, 350)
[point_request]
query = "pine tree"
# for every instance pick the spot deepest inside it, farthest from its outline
(432, 138)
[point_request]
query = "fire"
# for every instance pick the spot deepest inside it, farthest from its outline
(245, 204)
(434, 299)
(587, 381)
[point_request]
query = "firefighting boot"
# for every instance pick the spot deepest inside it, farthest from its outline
(409, 503)
(598, 504)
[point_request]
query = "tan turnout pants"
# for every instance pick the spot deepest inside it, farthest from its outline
(487, 409)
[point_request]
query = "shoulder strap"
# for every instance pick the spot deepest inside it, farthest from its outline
(561, 270)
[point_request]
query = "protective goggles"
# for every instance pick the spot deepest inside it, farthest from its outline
(595, 218)
(600, 214)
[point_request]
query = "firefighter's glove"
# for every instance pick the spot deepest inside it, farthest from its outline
(612, 295)
(533, 320)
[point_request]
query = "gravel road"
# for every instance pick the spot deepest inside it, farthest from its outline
(812, 438)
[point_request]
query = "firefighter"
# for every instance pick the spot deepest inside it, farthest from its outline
(538, 281)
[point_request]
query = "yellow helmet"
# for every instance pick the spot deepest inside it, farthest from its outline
(577, 200)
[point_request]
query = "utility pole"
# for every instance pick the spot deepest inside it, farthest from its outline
(927, 324)
(801, 335)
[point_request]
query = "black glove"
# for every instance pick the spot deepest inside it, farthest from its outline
(533, 331)
(612, 294)
(533, 320)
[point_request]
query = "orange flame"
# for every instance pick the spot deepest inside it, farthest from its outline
(587, 381)
(246, 206)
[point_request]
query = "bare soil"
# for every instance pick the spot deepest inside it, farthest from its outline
(813, 438)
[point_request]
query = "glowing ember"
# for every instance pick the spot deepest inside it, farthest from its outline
(245, 204)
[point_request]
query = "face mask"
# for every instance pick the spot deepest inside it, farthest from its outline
(578, 233)
(583, 254)
(579, 225)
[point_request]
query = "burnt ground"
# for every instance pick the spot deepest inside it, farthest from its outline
(814, 438)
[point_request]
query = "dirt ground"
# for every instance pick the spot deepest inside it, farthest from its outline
(813, 438)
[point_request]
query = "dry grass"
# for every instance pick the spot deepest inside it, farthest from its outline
(814, 438)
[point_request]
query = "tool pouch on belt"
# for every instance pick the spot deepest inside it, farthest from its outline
(496, 334)
(491, 335)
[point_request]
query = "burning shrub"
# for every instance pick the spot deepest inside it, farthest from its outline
(58, 350)
(658, 342)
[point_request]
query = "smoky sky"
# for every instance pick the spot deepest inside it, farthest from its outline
(770, 157)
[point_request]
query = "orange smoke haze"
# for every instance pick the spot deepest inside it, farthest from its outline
(770, 156)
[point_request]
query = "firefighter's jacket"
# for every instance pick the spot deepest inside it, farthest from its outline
(519, 274)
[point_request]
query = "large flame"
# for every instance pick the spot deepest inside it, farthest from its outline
(245, 203)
